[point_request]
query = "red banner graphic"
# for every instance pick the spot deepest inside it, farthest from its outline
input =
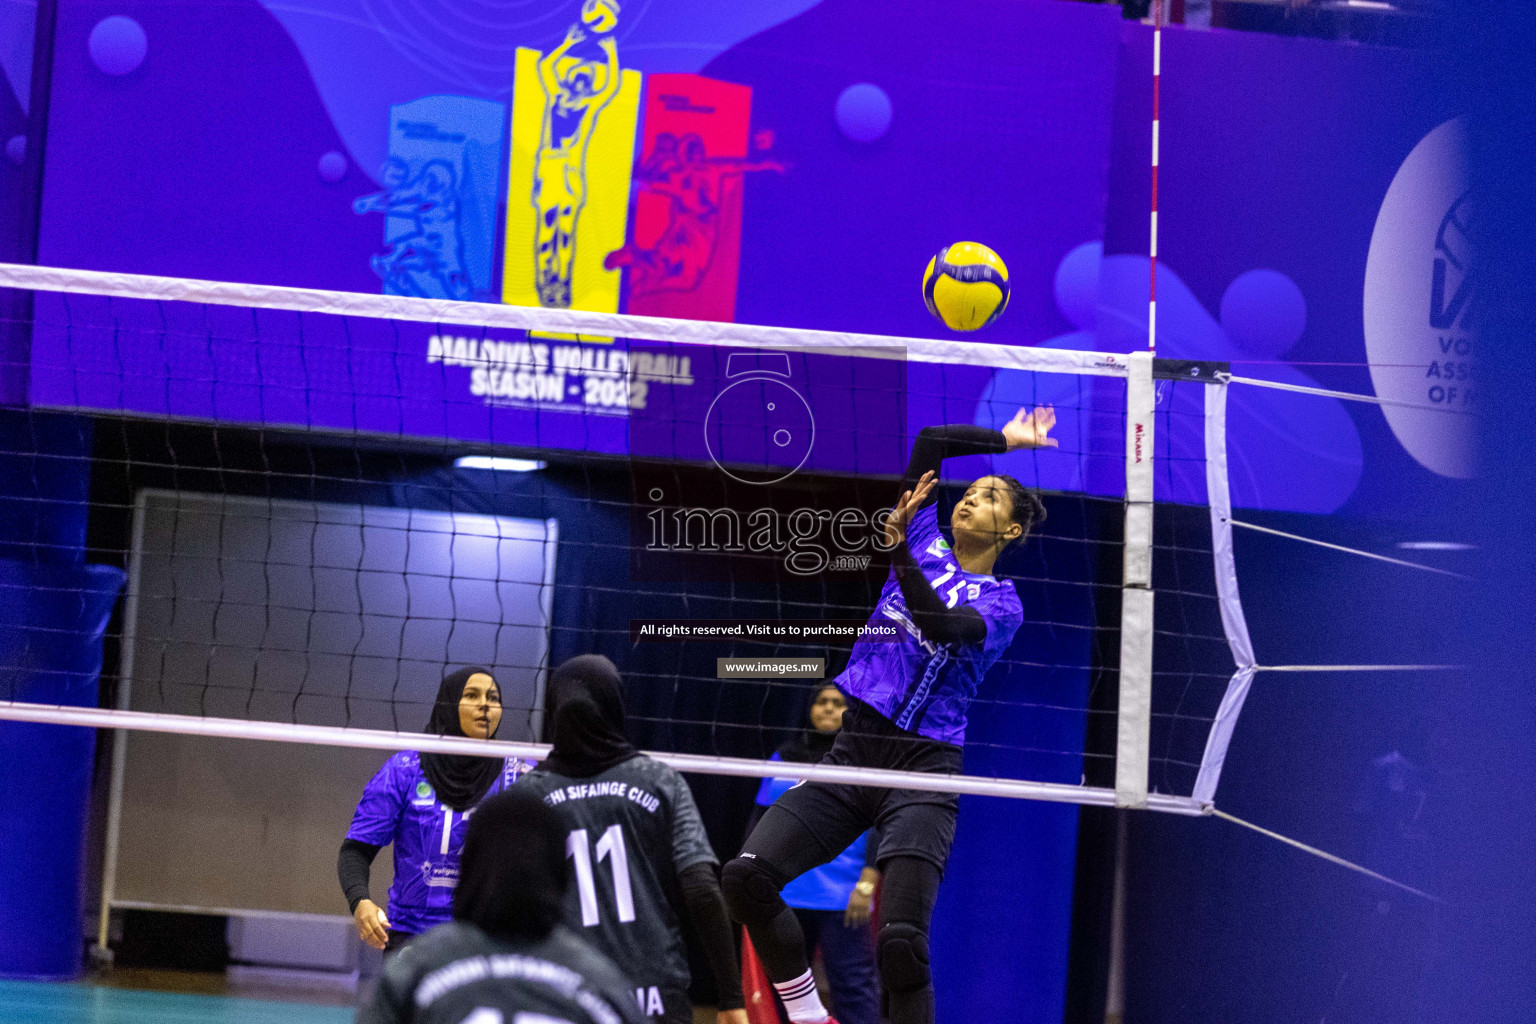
(685, 241)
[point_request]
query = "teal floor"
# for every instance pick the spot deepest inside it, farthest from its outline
(42, 1002)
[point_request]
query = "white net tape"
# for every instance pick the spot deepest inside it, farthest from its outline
(1160, 681)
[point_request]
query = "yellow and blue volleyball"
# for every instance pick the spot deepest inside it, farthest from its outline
(966, 286)
(601, 16)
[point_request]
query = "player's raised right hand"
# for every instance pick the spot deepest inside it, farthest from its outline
(906, 508)
(1031, 429)
(372, 925)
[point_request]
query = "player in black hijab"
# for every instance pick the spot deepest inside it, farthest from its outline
(506, 956)
(461, 779)
(420, 803)
(636, 845)
(512, 876)
(586, 719)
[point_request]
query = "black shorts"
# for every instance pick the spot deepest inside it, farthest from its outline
(910, 822)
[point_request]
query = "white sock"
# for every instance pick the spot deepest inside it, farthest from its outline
(802, 1000)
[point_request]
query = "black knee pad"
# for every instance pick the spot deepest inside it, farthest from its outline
(902, 952)
(751, 891)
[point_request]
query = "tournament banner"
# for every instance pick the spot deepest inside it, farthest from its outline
(1347, 265)
(685, 251)
(439, 198)
(574, 112)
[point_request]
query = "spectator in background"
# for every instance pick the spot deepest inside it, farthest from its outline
(833, 902)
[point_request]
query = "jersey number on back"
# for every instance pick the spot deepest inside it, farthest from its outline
(611, 845)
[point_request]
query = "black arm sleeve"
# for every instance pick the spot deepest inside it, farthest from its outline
(961, 625)
(935, 444)
(706, 908)
(352, 865)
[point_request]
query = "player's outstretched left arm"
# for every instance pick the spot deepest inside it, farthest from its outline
(1029, 428)
(937, 621)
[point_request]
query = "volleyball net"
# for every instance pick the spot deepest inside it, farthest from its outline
(322, 502)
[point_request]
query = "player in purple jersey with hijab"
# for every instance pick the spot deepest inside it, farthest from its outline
(907, 702)
(422, 803)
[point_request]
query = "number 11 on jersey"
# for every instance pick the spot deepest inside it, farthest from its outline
(611, 846)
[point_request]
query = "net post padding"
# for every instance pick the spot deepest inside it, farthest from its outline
(705, 764)
(1233, 623)
(570, 321)
(1134, 739)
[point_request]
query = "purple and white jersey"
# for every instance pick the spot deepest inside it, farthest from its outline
(399, 807)
(920, 685)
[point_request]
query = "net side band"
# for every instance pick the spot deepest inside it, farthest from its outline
(1233, 622)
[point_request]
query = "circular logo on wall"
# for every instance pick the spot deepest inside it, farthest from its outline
(1420, 295)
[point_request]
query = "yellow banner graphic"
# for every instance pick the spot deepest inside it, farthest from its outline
(573, 150)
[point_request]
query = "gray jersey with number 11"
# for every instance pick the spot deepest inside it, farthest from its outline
(631, 830)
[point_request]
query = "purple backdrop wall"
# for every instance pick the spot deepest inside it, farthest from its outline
(1023, 125)
(232, 145)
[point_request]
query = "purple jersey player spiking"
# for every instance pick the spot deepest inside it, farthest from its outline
(920, 684)
(907, 704)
